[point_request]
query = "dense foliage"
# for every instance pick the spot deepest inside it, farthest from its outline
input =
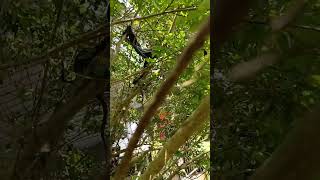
(166, 34)
(256, 114)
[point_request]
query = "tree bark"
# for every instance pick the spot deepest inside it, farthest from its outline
(298, 157)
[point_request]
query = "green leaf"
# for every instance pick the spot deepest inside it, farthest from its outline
(83, 7)
(315, 80)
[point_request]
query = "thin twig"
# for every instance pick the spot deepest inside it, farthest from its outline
(184, 165)
(168, 5)
(311, 28)
(153, 15)
(43, 58)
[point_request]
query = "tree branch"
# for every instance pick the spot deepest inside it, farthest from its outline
(48, 134)
(310, 28)
(185, 165)
(43, 58)
(153, 15)
(298, 157)
(191, 125)
(281, 22)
